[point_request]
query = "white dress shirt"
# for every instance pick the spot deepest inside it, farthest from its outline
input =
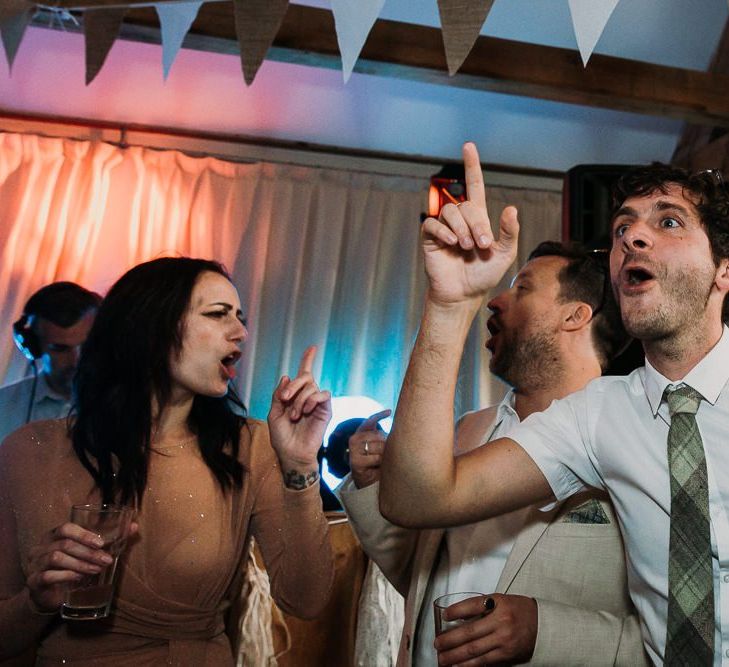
(471, 557)
(15, 399)
(613, 435)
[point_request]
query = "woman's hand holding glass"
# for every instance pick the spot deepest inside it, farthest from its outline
(65, 554)
(299, 415)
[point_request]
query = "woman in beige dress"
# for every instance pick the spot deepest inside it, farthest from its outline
(157, 426)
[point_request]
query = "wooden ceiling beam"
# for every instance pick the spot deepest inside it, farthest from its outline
(105, 4)
(307, 36)
(695, 138)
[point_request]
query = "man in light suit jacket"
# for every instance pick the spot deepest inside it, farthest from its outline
(553, 579)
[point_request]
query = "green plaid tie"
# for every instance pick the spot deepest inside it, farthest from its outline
(690, 631)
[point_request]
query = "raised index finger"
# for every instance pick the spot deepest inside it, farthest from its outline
(370, 423)
(307, 360)
(475, 191)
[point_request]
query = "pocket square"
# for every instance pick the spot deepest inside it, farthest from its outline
(590, 511)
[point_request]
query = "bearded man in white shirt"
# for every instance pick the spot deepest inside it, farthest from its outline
(669, 268)
(559, 575)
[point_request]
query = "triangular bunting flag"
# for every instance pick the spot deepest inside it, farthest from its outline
(256, 24)
(101, 28)
(14, 19)
(461, 22)
(589, 18)
(354, 20)
(11, 8)
(175, 21)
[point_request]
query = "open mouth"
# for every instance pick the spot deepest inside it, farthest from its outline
(228, 363)
(494, 329)
(638, 276)
(635, 277)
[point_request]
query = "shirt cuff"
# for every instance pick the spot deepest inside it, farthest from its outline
(347, 490)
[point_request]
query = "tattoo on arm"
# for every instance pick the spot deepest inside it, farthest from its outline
(298, 480)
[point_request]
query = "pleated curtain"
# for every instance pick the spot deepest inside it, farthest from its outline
(319, 256)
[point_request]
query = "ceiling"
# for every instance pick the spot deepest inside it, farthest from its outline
(205, 91)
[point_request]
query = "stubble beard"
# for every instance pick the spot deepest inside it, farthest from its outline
(531, 361)
(684, 297)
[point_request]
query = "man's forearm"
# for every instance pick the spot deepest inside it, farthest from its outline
(418, 461)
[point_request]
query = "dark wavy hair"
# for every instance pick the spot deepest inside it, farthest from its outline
(124, 367)
(706, 189)
(586, 278)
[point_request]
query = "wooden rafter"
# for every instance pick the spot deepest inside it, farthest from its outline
(101, 4)
(695, 138)
(307, 36)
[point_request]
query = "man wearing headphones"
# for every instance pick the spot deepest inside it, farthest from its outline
(54, 325)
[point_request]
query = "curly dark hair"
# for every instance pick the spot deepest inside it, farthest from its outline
(705, 189)
(586, 278)
(124, 366)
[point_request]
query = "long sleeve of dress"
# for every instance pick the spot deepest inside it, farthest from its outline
(20, 625)
(291, 530)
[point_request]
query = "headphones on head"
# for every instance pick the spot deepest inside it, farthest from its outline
(62, 303)
(26, 339)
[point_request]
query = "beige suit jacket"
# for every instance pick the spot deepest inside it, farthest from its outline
(575, 571)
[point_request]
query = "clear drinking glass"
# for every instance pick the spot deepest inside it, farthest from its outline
(440, 604)
(91, 597)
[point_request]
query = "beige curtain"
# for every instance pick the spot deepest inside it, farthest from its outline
(318, 256)
(87, 211)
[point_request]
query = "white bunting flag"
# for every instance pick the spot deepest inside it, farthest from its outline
(589, 18)
(175, 20)
(354, 20)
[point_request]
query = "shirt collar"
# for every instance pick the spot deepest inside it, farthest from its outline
(43, 391)
(708, 377)
(506, 407)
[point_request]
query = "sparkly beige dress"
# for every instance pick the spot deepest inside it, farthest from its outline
(181, 572)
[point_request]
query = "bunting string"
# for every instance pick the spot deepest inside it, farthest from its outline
(257, 22)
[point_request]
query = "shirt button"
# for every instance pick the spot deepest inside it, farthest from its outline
(726, 578)
(726, 653)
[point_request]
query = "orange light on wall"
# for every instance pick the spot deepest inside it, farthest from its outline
(447, 186)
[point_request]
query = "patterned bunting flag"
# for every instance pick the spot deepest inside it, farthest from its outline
(11, 8)
(256, 24)
(15, 15)
(101, 28)
(461, 22)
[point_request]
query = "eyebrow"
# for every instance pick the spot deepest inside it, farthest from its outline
(228, 307)
(625, 210)
(523, 276)
(670, 206)
(660, 205)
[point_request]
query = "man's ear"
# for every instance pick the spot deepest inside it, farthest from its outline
(722, 275)
(577, 315)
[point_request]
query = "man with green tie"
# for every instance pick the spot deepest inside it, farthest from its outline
(656, 439)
